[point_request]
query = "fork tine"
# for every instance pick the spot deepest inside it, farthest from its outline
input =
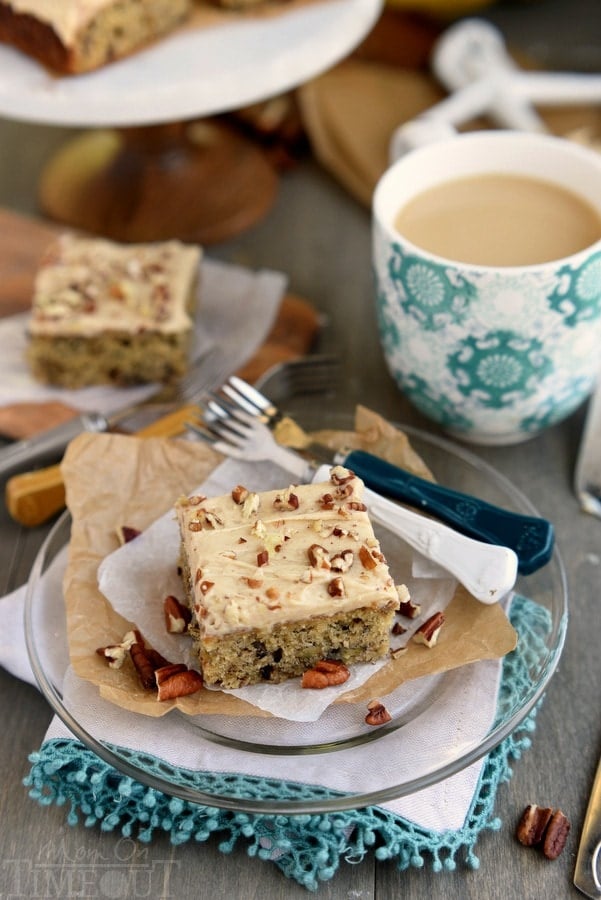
(221, 429)
(254, 442)
(214, 405)
(217, 441)
(192, 383)
(320, 374)
(243, 395)
(305, 374)
(250, 394)
(224, 421)
(202, 431)
(218, 409)
(226, 432)
(236, 397)
(234, 394)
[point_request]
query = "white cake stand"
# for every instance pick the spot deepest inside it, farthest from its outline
(150, 169)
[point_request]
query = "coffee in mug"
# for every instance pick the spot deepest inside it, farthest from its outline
(499, 219)
(498, 347)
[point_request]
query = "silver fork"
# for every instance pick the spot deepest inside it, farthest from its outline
(531, 537)
(312, 374)
(309, 374)
(487, 571)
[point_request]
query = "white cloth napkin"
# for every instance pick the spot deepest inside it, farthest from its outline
(236, 310)
(459, 715)
(465, 711)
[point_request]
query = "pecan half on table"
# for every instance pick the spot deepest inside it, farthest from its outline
(545, 828)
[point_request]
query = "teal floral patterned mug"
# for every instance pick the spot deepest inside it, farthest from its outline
(494, 353)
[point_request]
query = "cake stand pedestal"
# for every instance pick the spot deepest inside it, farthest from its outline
(198, 181)
(159, 161)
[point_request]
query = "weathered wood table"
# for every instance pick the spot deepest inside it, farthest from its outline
(320, 237)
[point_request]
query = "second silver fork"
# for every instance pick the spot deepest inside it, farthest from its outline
(305, 375)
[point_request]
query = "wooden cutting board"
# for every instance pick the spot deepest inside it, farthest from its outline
(22, 243)
(24, 239)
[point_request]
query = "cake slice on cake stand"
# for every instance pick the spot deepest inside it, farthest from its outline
(156, 160)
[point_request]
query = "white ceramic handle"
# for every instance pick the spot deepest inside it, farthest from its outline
(488, 571)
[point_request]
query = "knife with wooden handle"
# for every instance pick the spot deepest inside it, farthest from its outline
(587, 874)
(34, 497)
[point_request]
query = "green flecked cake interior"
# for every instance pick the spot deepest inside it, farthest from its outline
(289, 649)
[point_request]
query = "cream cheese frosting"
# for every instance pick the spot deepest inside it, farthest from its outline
(282, 556)
(92, 286)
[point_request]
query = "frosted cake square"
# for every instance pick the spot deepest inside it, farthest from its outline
(109, 313)
(280, 580)
(71, 36)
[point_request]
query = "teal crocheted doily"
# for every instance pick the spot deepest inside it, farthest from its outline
(307, 848)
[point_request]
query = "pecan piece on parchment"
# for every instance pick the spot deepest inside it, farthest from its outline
(325, 673)
(176, 680)
(407, 607)
(127, 533)
(146, 661)
(116, 654)
(177, 616)
(428, 632)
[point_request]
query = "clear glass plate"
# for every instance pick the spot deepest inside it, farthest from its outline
(331, 742)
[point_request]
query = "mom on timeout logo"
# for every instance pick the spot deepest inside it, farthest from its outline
(58, 871)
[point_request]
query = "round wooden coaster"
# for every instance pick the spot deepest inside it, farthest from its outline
(351, 112)
(197, 181)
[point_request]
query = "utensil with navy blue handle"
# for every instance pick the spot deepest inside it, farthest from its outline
(531, 537)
